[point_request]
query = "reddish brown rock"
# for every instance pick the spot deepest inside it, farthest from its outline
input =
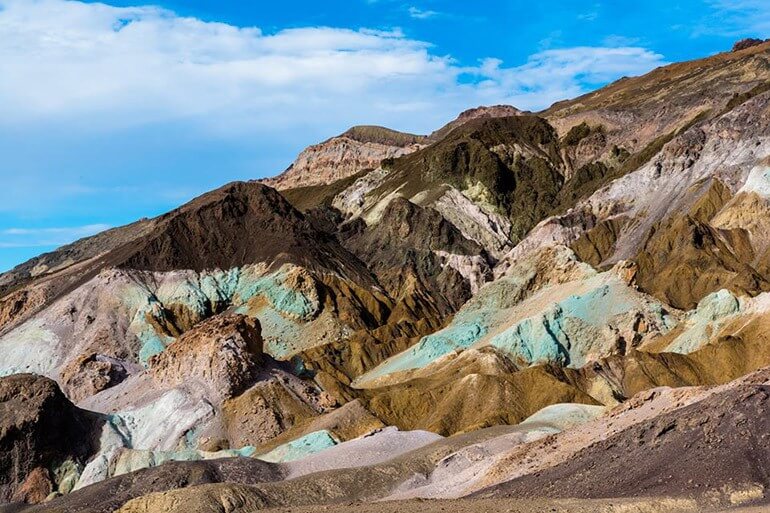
(90, 374)
(223, 354)
(36, 488)
(743, 44)
(39, 428)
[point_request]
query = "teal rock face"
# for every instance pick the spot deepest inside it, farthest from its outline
(130, 460)
(711, 310)
(311, 443)
(568, 331)
(564, 333)
(279, 295)
(458, 335)
(537, 340)
(272, 298)
(470, 325)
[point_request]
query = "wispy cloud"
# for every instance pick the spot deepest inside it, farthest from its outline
(735, 18)
(558, 73)
(421, 14)
(46, 237)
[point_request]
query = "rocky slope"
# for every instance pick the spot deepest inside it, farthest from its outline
(511, 308)
(360, 148)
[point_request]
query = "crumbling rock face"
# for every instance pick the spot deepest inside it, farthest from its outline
(357, 149)
(407, 245)
(277, 402)
(223, 354)
(90, 374)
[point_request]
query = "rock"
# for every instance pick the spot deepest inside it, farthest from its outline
(35, 488)
(277, 402)
(494, 111)
(343, 156)
(747, 43)
(39, 428)
(223, 354)
(90, 374)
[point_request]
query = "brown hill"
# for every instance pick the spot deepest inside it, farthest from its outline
(715, 445)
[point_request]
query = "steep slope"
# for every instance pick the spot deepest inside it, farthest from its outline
(687, 179)
(509, 164)
(212, 231)
(635, 111)
(414, 247)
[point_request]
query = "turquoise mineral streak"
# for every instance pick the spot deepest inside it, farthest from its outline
(311, 443)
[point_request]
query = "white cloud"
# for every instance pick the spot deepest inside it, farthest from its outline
(420, 14)
(44, 237)
(99, 67)
(553, 75)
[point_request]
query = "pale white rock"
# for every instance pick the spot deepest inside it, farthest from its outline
(474, 268)
(352, 200)
(487, 228)
(758, 181)
(33, 348)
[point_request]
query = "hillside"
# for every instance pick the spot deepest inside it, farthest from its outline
(502, 314)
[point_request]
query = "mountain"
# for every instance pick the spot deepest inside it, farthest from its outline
(562, 310)
(358, 149)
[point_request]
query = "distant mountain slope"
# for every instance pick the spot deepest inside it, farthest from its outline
(363, 148)
(359, 148)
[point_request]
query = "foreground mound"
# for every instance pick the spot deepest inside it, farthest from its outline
(718, 444)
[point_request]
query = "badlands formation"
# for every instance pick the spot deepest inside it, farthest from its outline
(561, 311)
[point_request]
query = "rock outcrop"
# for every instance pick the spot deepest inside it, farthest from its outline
(41, 434)
(360, 148)
(221, 354)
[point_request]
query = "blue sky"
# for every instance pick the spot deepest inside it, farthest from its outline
(112, 112)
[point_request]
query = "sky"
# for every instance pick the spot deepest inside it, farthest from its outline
(110, 112)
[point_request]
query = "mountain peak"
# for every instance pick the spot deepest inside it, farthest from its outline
(492, 111)
(481, 112)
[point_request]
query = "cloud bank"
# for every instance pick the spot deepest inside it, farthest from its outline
(105, 67)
